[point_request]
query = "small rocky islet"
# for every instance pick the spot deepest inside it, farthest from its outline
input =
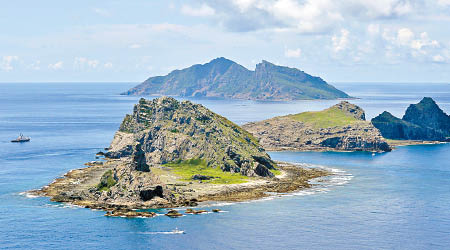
(422, 121)
(341, 127)
(170, 154)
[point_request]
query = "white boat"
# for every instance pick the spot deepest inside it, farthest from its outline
(177, 231)
(21, 138)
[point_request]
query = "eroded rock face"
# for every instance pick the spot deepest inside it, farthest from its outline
(422, 121)
(165, 130)
(285, 133)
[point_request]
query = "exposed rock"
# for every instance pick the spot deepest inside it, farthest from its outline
(201, 177)
(129, 213)
(164, 130)
(173, 214)
(216, 210)
(223, 78)
(151, 193)
(352, 110)
(422, 121)
(349, 134)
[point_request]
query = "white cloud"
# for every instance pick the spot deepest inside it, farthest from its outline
(404, 36)
(7, 61)
(293, 53)
(35, 66)
(243, 5)
(438, 59)
(81, 63)
(202, 11)
(308, 16)
(340, 42)
(373, 29)
(443, 2)
(102, 12)
(108, 65)
(93, 63)
(56, 66)
(135, 46)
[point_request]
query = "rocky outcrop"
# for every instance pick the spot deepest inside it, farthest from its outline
(422, 121)
(165, 130)
(223, 78)
(169, 154)
(291, 133)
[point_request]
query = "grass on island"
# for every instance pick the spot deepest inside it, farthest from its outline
(107, 181)
(327, 118)
(186, 169)
(275, 172)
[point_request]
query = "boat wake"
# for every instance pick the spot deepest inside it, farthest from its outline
(175, 231)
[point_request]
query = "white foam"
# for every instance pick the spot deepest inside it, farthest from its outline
(28, 195)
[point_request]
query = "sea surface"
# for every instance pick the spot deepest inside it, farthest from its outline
(396, 200)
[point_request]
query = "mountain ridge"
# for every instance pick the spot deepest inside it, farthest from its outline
(224, 78)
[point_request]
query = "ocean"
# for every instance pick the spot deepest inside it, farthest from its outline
(395, 200)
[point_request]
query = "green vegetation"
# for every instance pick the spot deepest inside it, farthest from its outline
(186, 169)
(107, 181)
(327, 118)
(275, 172)
(282, 83)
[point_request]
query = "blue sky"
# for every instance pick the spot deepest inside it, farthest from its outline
(341, 41)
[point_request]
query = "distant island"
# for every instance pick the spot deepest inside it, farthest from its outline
(422, 121)
(170, 154)
(223, 78)
(341, 127)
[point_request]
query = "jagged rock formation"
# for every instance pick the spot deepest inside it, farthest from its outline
(422, 121)
(165, 130)
(223, 78)
(341, 127)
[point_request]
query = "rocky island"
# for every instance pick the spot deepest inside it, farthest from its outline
(223, 78)
(423, 121)
(169, 154)
(341, 127)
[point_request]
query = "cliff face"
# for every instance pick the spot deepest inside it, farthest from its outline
(165, 130)
(223, 78)
(341, 127)
(422, 121)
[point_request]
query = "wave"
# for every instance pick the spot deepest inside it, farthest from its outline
(324, 184)
(28, 194)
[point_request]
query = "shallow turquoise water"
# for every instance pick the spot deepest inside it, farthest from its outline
(396, 200)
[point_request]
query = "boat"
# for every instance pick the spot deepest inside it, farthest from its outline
(21, 138)
(177, 231)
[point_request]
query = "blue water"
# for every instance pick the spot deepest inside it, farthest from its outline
(396, 200)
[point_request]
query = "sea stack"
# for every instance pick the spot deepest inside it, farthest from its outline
(422, 121)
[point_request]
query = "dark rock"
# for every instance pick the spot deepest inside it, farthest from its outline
(151, 193)
(422, 121)
(139, 161)
(201, 177)
(173, 214)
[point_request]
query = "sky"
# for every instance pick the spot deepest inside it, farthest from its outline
(129, 41)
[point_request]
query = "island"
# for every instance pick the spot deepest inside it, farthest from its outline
(341, 127)
(423, 122)
(170, 154)
(223, 78)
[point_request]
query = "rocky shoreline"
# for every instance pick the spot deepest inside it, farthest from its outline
(74, 186)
